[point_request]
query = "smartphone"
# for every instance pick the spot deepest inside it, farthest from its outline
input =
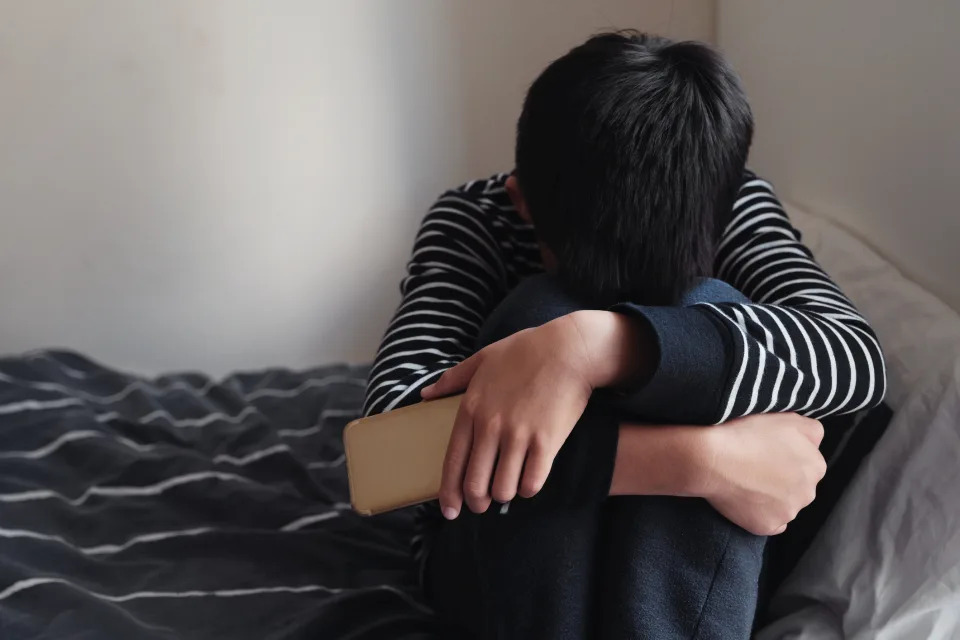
(395, 459)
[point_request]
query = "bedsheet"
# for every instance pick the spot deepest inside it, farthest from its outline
(186, 507)
(886, 565)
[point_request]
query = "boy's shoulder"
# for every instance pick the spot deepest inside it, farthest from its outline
(486, 198)
(495, 185)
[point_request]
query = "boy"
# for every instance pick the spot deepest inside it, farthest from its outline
(629, 189)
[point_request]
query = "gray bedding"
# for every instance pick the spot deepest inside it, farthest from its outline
(184, 507)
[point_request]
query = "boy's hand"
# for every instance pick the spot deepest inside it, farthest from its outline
(757, 471)
(524, 394)
(763, 469)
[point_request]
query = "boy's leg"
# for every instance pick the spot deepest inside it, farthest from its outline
(521, 575)
(674, 567)
(667, 564)
(527, 573)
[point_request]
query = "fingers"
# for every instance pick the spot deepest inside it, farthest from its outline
(813, 431)
(535, 471)
(452, 380)
(476, 482)
(509, 467)
(455, 464)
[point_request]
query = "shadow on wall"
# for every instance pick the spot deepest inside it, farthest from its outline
(862, 127)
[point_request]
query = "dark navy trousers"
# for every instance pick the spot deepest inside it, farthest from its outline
(573, 563)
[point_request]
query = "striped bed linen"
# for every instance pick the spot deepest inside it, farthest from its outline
(187, 507)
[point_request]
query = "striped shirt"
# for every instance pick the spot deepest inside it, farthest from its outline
(799, 346)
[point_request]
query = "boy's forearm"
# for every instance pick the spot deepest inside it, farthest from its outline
(757, 471)
(661, 460)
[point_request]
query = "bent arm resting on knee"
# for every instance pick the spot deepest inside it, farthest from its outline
(526, 392)
(757, 471)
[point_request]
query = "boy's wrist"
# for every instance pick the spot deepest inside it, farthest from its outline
(620, 349)
(662, 460)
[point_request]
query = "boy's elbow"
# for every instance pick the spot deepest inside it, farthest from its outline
(880, 375)
(879, 389)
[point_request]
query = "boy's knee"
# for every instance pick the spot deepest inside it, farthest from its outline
(535, 301)
(542, 298)
(712, 290)
(690, 530)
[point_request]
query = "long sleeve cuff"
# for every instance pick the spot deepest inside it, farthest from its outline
(688, 383)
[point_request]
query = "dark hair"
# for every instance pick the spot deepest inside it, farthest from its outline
(630, 149)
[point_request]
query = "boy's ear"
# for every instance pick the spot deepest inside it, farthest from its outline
(516, 197)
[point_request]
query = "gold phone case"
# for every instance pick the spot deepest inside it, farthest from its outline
(395, 459)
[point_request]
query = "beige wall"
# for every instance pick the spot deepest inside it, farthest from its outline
(227, 184)
(858, 116)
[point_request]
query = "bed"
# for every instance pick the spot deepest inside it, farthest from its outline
(187, 507)
(886, 563)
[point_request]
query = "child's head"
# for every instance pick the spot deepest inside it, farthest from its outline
(630, 148)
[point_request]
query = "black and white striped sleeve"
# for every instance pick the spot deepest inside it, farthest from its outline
(454, 278)
(800, 345)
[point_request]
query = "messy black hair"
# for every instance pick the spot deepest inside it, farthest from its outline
(630, 150)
